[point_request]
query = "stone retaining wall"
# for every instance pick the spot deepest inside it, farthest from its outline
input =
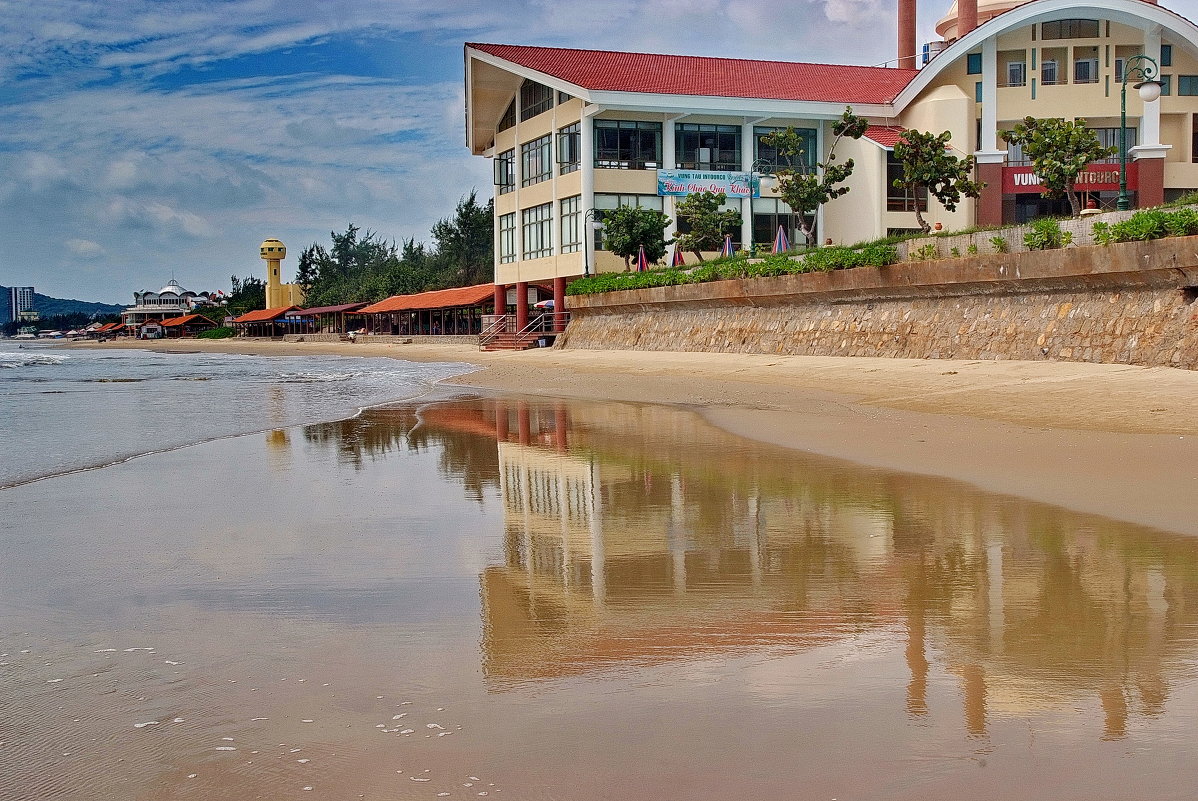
(1130, 303)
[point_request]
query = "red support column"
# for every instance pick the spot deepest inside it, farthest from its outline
(1150, 182)
(990, 202)
(521, 305)
(524, 423)
(560, 423)
(559, 305)
(500, 299)
(501, 421)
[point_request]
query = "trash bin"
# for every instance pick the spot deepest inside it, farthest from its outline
(543, 342)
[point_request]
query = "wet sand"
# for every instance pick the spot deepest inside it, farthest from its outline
(1114, 440)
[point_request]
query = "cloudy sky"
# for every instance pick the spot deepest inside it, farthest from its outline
(145, 139)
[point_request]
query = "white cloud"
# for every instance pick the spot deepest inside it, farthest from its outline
(85, 248)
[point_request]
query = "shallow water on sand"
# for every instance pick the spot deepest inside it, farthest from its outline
(540, 600)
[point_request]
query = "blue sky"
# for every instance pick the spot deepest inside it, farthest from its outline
(146, 139)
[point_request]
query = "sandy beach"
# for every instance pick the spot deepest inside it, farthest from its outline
(1114, 440)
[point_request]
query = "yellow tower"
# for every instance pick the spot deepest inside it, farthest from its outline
(278, 294)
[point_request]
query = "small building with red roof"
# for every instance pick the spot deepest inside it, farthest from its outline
(188, 325)
(263, 322)
(456, 311)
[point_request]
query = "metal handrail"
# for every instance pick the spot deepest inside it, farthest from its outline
(538, 326)
(492, 331)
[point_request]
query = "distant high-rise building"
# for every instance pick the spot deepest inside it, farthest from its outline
(20, 303)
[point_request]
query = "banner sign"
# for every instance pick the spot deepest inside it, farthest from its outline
(692, 182)
(1095, 178)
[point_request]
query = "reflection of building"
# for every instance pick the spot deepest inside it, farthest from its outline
(640, 535)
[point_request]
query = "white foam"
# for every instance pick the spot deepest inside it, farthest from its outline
(147, 723)
(224, 748)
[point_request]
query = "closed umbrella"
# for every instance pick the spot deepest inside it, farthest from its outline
(781, 243)
(678, 260)
(726, 250)
(642, 261)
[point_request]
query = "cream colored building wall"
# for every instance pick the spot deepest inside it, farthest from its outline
(944, 108)
(857, 216)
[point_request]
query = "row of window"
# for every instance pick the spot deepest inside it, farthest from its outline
(631, 145)
(532, 99)
(536, 223)
(1085, 70)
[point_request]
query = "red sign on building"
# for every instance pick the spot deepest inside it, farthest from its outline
(1095, 178)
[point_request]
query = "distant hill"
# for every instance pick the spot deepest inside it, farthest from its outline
(47, 306)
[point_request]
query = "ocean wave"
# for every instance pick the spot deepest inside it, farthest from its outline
(10, 359)
(316, 378)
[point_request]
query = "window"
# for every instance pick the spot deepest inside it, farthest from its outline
(508, 119)
(1048, 73)
(507, 238)
(973, 64)
(1070, 29)
(708, 147)
(505, 171)
(570, 218)
(569, 154)
(1119, 70)
(562, 97)
(804, 162)
(977, 92)
(768, 214)
(1085, 70)
(1187, 85)
(1166, 55)
(626, 145)
(606, 202)
(1016, 73)
(900, 199)
(538, 231)
(1194, 139)
(534, 99)
(1166, 84)
(1109, 137)
(535, 161)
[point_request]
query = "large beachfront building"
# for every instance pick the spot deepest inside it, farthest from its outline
(573, 133)
(170, 301)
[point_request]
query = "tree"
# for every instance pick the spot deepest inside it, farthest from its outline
(248, 294)
(928, 166)
(464, 242)
(1059, 150)
(627, 228)
(708, 222)
(805, 192)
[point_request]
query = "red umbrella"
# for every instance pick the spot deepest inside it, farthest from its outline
(678, 260)
(642, 261)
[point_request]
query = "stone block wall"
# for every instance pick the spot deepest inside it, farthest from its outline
(1129, 304)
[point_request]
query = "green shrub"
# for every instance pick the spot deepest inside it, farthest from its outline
(972, 250)
(1102, 233)
(1045, 234)
(223, 332)
(999, 244)
(954, 252)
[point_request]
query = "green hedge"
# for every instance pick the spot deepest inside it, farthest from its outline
(821, 260)
(224, 332)
(1148, 224)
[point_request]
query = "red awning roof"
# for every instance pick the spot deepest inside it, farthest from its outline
(603, 70)
(263, 315)
(885, 135)
(440, 299)
(344, 307)
(186, 319)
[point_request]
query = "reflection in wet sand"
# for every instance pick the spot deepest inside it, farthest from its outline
(544, 600)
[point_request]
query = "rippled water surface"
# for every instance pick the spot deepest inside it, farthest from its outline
(66, 409)
(539, 600)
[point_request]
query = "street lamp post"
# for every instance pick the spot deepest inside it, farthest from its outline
(1145, 70)
(757, 171)
(589, 225)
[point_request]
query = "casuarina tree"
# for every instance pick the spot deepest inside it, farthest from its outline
(708, 222)
(805, 191)
(930, 166)
(1059, 150)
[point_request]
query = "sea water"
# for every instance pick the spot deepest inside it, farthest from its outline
(63, 410)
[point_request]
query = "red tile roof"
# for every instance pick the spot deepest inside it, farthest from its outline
(440, 299)
(263, 315)
(603, 70)
(187, 319)
(884, 135)
(344, 307)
